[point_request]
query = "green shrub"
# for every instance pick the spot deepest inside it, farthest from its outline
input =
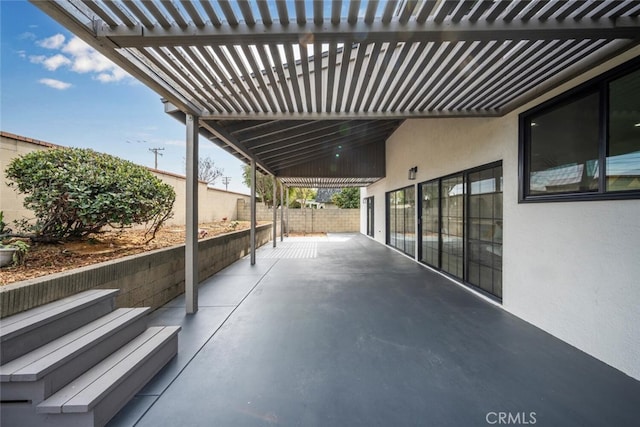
(75, 192)
(347, 198)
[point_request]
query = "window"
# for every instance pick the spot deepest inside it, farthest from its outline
(584, 144)
(623, 149)
(461, 226)
(401, 212)
(370, 225)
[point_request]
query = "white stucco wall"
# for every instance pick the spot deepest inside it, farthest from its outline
(570, 268)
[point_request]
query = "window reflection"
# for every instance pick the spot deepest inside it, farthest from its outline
(564, 148)
(623, 156)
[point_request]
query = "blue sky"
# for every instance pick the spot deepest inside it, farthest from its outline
(56, 89)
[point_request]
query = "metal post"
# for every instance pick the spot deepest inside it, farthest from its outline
(275, 212)
(287, 211)
(281, 212)
(253, 211)
(191, 244)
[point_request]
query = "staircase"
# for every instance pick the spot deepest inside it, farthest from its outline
(78, 361)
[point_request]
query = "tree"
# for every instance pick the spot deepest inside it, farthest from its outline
(208, 171)
(264, 184)
(302, 195)
(347, 198)
(75, 192)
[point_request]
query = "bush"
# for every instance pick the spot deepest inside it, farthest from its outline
(76, 192)
(347, 198)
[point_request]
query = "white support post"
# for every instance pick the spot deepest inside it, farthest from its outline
(281, 212)
(253, 211)
(275, 211)
(191, 244)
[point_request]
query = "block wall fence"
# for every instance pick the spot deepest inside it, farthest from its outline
(306, 220)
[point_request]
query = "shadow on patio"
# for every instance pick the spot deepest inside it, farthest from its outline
(345, 331)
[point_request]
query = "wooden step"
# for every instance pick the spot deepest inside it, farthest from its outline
(96, 396)
(40, 373)
(23, 332)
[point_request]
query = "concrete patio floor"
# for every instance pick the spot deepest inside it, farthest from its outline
(343, 331)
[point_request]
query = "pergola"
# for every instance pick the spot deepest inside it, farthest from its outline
(309, 91)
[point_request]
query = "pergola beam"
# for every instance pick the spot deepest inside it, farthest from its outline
(230, 140)
(351, 115)
(392, 32)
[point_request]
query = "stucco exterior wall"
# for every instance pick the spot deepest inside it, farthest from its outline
(10, 148)
(570, 268)
(213, 204)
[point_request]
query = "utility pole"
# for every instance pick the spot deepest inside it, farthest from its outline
(156, 152)
(226, 180)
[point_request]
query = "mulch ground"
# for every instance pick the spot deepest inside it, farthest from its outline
(43, 259)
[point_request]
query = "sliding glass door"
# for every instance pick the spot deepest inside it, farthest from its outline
(401, 213)
(452, 229)
(461, 226)
(485, 230)
(430, 220)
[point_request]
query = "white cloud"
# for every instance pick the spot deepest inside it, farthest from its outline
(55, 62)
(56, 84)
(114, 75)
(77, 47)
(27, 36)
(22, 54)
(37, 59)
(78, 57)
(87, 60)
(53, 42)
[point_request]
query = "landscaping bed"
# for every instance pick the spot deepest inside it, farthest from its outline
(43, 259)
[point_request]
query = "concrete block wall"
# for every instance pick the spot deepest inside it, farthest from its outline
(307, 220)
(145, 280)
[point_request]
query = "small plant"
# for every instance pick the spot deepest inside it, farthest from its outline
(3, 225)
(231, 226)
(19, 249)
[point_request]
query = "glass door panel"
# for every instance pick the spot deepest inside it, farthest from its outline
(452, 225)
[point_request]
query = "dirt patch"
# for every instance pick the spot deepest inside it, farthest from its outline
(43, 259)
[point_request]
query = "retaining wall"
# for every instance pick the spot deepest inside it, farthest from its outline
(150, 279)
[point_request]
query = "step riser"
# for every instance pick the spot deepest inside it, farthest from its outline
(30, 340)
(109, 405)
(55, 380)
(45, 420)
(119, 397)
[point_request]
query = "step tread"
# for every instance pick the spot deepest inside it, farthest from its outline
(82, 394)
(26, 321)
(39, 362)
